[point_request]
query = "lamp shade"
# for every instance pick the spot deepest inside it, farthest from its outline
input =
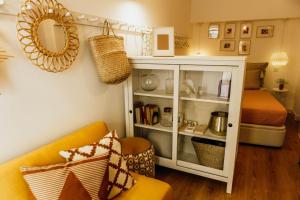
(279, 59)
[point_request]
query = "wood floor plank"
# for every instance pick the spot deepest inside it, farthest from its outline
(262, 173)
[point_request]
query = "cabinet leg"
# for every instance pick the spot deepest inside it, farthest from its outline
(229, 187)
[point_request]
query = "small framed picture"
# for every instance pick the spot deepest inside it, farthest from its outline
(246, 30)
(227, 45)
(244, 47)
(229, 31)
(213, 31)
(164, 41)
(265, 31)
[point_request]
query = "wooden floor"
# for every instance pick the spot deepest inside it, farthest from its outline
(261, 173)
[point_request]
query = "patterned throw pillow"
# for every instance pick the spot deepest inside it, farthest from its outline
(78, 180)
(142, 163)
(119, 177)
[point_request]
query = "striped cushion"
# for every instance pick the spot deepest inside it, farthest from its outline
(78, 180)
(119, 177)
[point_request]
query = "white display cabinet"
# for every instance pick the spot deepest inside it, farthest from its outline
(173, 145)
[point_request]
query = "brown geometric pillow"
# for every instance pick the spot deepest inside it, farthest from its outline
(78, 180)
(252, 80)
(119, 177)
(142, 163)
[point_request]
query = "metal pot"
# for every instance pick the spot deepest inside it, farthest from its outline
(218, 123)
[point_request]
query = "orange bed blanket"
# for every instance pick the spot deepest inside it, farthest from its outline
(261, 108)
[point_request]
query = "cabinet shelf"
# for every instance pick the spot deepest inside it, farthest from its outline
(157, 127)
(207, 135)
(187, 157)
(209, 98)
(189, 160)
(154, 93)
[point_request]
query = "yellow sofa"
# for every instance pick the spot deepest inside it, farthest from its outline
(13, 187)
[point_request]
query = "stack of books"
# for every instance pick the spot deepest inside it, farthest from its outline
(146, 114)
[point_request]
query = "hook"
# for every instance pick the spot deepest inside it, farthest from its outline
(122, 25)
(81, 17)
(94, 19)
(68, 14)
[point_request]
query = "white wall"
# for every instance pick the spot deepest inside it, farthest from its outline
(37, 107)
(238, 10)
(261, 51)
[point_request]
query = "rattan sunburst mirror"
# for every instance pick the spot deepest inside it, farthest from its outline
(34, 13)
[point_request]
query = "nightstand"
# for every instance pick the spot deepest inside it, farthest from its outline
(280, 95)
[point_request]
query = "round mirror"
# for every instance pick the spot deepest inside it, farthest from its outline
(51, 36)
(48, 36)
(213, 31)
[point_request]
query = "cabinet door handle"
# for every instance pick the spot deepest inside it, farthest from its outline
(230, 125)
(130, 111)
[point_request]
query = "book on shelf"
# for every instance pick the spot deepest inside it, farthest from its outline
(138, 112)
(146, 114)
(198, 129)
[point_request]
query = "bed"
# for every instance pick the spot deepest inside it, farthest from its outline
(263, 116)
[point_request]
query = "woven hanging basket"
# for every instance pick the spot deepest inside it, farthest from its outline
(109, 56)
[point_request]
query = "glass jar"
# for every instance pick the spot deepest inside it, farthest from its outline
(169, 86)
(149, 82)
(167, 117)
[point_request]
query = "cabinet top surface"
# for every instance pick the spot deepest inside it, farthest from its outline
(194, 58)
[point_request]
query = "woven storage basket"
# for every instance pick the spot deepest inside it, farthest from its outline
(114, 68)
(109, 56)
(102, 44)
(210, 153)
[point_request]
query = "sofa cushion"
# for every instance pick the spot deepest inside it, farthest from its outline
(78, 180)
(12, 184)
(147, 189)
(119, 177)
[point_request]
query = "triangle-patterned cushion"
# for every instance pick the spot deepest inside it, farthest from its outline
(79, 180)
(119, 177)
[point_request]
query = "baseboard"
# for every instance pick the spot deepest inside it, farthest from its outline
(297, 116)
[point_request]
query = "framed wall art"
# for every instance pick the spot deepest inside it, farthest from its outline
(229, 31)
(227, 45)
(244, 47)
(265, 31)
(164, 41)
(246, 30)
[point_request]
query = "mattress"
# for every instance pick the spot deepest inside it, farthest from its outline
(261, 108)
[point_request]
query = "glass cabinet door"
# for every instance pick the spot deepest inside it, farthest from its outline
(204, 100)
(153, 100)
